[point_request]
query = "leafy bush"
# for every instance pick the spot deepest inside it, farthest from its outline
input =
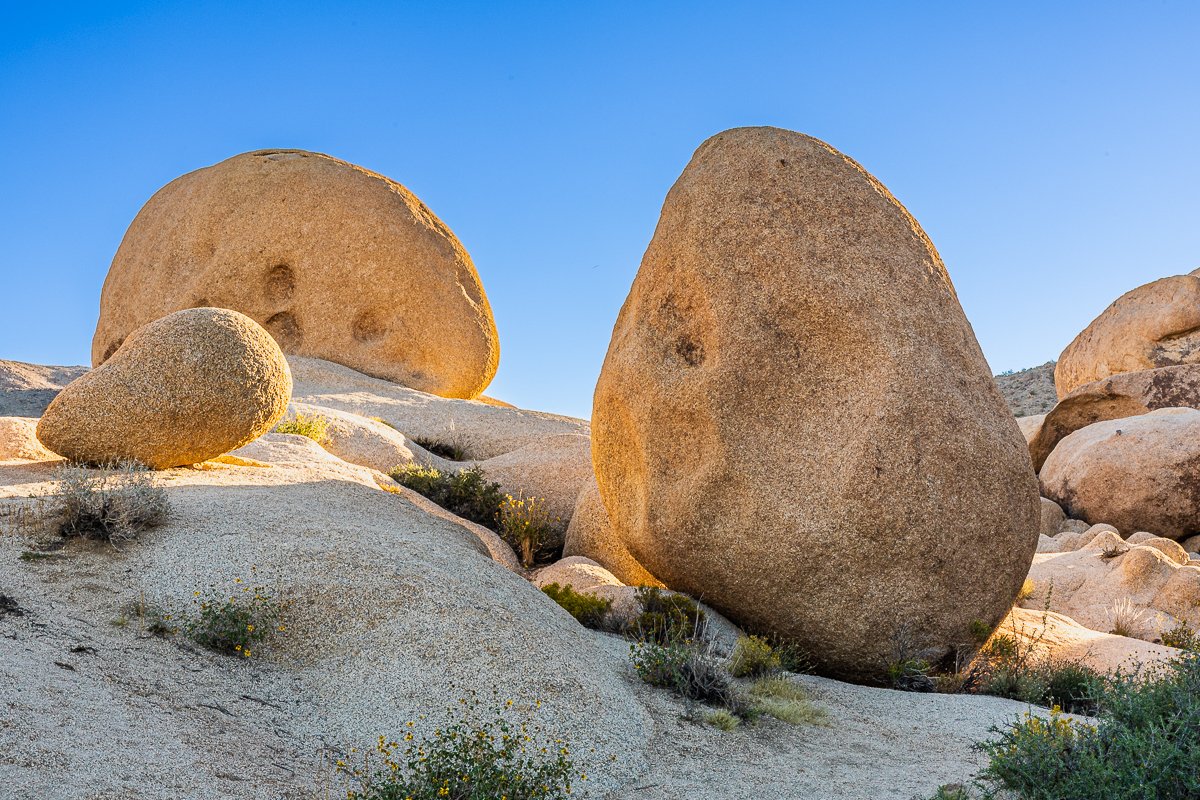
(591, 611)
(483, 754)
(235, 623)
(529, 529)
(1145, 745)
(310, 425)
(1007, 666)
(1183, 637)
(466, 493)
(753, 656)
(691, 669)
(112, 504)
(667, 617)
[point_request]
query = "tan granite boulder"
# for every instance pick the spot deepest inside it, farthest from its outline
(1138, 473)
(794, 420)
(335, 261)
(591, 535)
(182, 389)
(1154, 325)
(1125, 395)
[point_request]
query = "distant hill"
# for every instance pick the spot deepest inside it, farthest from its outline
(1030, 391)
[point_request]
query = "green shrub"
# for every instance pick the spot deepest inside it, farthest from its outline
(112, 504)
(235, 623)
(310, 425)
(753, 656)
(591, 611)
(466, 493)
(667, 617)
(1144, 746)
(1182, 636)
(689, 668)
(482, 754)
(530, 530)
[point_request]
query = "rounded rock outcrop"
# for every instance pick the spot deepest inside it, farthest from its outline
(1138, 473)
(182, 389)
(1127, 394)
(1154, 325)
(795, 423)
(336, 262)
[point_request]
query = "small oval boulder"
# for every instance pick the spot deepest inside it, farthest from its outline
(182, 389)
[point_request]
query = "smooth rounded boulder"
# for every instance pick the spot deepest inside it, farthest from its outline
(1154, 325)
(337, 262)
(1125, 395)
(1138, 473)
(183, 389)
(795, 423)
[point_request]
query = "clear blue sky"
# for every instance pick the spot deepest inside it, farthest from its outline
(1052, 151)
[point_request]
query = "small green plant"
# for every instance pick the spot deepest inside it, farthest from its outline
(951, 791)
(466, 493)
(530, 529)
(235, 622)
(310, 425)
(691, 669)
(911, 675)
(111, 504)
(720, 718)
(785, 700)
(37, 555)
(484, 753)
(667, 617)
(754, 656)
(1182, 636)
(1008, 666)
(590, 610)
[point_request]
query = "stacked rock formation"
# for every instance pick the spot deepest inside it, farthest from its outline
(335, 261)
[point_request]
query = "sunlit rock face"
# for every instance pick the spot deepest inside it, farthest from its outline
(336, 262)
(795, 423)
(1155, 325)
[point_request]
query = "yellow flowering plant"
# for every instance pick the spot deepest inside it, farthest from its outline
(486, 752)
(235, 621)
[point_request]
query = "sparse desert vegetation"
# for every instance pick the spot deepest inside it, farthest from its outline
(309, 425)
(485, 752)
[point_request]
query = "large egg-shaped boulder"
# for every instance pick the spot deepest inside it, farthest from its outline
(1155, 325)
(335, 261)
(182, 389)
(794, 421)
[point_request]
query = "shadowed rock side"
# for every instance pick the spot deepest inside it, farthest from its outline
(1126, 395)
(794, 420)
(181, 390)
(335, 261)
(1155, 325)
